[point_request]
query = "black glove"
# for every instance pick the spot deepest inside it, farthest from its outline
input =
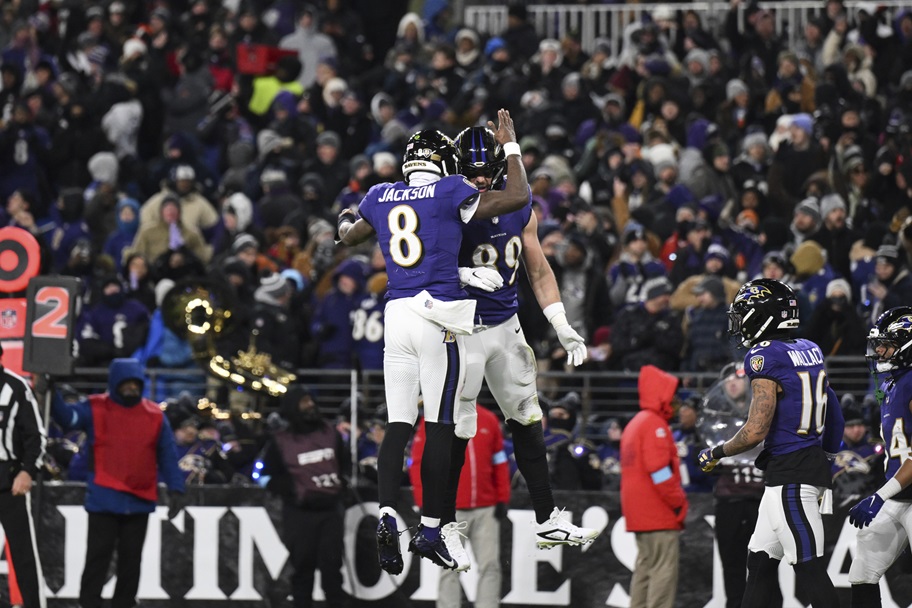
(501, 509)
(176, 503)
(346, 216)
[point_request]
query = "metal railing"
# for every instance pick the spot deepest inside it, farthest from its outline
(609, 20)
(603, 394)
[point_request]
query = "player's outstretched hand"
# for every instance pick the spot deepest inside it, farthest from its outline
(865, 511)
(503, 132)
(573, 343)
(481, 277)
(706, 461)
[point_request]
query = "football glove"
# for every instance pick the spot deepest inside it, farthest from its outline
(573, 343)
(482, 277)
(346, 216)
(709, 458)
(865, 511)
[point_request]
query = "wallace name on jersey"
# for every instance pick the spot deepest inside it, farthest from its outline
(806, 358)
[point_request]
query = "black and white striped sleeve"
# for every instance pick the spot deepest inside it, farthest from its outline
(24, 437)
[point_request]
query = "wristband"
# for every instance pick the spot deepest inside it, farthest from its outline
(718, 452)
(555, 313)
(510, 148)
(890, 489)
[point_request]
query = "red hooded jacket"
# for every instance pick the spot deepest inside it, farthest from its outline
(651, 494)
(485, 478)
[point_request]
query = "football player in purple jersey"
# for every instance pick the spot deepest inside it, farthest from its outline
(419, 223)
(885, 517)
(794, 410)
(497, 350)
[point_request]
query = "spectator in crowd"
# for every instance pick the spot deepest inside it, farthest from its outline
(635, 265)
(332, 323)
(112, 328)
(170, 233)
(311, 45)
(834, 325)
(708, 346)
(652, 499)
(481, 503)
(200, 458)
(805, 220)
(893, 284)
(610, 454)
(122, 237)
(197, 212)
(275, 328)
(648, 332)
(795, 161)
(132, 447)
(689, 258)
(689, 442)
(573, 460)
(311, 490)
(835, 235)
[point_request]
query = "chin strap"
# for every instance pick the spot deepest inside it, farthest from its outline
(879, 394)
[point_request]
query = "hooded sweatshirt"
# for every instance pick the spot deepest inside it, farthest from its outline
(123, 237)
(130, 446)
(651, 494)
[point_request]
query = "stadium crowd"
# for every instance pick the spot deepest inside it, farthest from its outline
(149, 143)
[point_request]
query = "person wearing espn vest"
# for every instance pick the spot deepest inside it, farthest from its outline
(131, 446)
(23, 440)
(304, 463)
(652, 498)
(481, 502)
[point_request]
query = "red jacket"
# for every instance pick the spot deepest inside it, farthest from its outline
(485, 479)
(648, 456)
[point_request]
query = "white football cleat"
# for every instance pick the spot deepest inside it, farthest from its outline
(451, 533)
(560, 531)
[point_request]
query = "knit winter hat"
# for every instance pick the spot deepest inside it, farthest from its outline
(654, 288)
(272, 287)
(735, 87)
(839, 285)
(809, 206)
(103, 167)
(243, 241)
(830, 203)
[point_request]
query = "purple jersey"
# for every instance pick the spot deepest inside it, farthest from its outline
(495, 242)
(896, 421)
(797, 367)
(367, 331)
(419, 230)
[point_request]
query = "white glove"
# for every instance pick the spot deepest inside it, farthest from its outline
(481, 277)
(572, 342)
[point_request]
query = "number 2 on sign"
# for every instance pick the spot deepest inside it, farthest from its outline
(52, 324)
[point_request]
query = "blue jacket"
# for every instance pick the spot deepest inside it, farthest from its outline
(79, 416)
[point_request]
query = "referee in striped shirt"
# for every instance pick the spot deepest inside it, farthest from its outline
(22, 444)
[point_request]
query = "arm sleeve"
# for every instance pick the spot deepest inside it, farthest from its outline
(834, 424)
(274, 471)
(32, 433)
(76, 416)
(168, 469)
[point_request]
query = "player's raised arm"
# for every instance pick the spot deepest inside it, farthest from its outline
(516, 193)
(351, 230)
